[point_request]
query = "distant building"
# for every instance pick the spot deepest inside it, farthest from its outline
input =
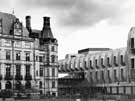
(28, 57)
(104, 68)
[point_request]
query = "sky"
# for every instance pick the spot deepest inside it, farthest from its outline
(79, 24)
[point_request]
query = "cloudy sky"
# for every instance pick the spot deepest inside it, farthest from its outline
(79, 24)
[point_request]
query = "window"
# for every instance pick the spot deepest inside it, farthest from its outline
(132, 63)
(53, 72)
(115, 61)
(36, 72)
(132, 42)
(40, 84)
(53, 58)
(40, 59)
(115, 74)
(41, 71)
(18, 69)
(27, 45)
(8, 69)
(36, 58)
(96, 62)
(96, 74)
(8, 54)
(53, 49)
(27, 56)
(122, 74)
(102, 75)
(18, 55)
(27, 69)
(0, 25)
(91, 64)
(7, 42)
(47, 72)
(108, 61)
(85, 64)
(18, 44)
(122, 60)
(53, 84)
(108, 72)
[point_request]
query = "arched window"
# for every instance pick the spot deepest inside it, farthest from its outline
(53, 58)
(8, 85)
(40, 84)
(18, 85)
(27, 85)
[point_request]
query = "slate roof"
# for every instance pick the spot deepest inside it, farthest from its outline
(47, 33)
(7, 22)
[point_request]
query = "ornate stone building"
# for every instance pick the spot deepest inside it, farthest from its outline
(28, 57)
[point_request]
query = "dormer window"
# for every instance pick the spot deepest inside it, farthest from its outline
(17, 28)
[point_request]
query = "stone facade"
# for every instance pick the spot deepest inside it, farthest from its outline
(28, 58)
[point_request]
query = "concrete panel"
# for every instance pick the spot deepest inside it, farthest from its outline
(114, 90)
(108, 90)
(121, 90)
(133, 90)
(128, 90)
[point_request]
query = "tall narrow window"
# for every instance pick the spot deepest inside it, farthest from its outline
(53, 72)
(115, 74)
(91, 64)
(41, 71)
(27, 69)
(18, 69)
(96, 62)
(122, 74)
(132, 42)
(53, 48)
(8, 69)
(122, 60)
(115, 61)
(8, 53)
(132, 63)
(27, 56)
(53, 58)
(102, 75)
(96, 75)
(0, 26)
(40, 59)
(102, 62)
(47, 72)
(108, 73)
(108, 61)
(53, 84)
(40, 84)
(18, 55)
(85, 64)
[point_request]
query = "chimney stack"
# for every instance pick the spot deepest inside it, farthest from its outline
(46, 23)
(28, 23)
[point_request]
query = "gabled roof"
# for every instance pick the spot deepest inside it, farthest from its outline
(7, 22)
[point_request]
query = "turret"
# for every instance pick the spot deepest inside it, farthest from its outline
(46, 31)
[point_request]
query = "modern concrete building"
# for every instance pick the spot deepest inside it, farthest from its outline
(28, 57)
(113, 70)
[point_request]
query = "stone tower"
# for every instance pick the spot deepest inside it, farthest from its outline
(49, 44)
